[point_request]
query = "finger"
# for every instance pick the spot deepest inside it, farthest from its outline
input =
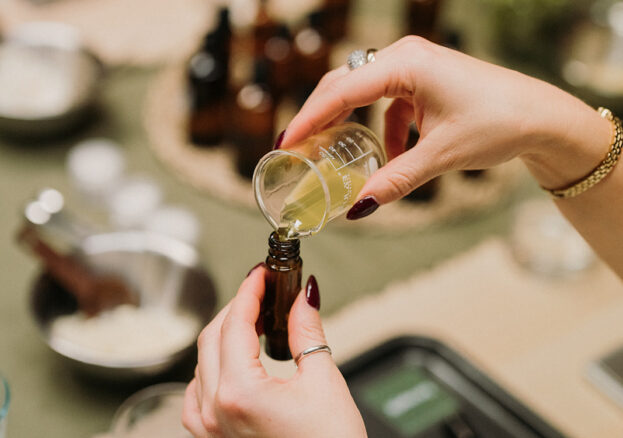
(191, 416)
(208, 358)
(407, 171)
(359, 87)
(327, 79)
(197, 385)
(340, 119)
(305, 330)
(398, 118)
(240, 345)
(322, 86)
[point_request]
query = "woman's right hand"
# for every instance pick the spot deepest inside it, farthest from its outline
(470, 115)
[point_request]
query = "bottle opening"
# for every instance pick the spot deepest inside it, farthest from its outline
(282, 247)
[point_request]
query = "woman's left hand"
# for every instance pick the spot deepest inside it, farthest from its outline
(233, 396)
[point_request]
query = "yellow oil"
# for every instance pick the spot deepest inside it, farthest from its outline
(304, 208)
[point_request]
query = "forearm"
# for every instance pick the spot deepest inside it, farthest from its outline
(584, 138)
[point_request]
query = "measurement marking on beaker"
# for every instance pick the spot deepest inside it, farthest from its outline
(354, 143)
(352, 157)
(330, 157)
(326, 154)
(352, 161)
(337, 154)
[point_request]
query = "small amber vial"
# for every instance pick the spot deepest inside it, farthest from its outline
(283, 283)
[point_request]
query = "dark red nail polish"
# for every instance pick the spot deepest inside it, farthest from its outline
(279, 140)
(312, 294)
(255, 267)
(362, 208)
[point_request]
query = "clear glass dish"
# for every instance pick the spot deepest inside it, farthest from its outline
(155, 412)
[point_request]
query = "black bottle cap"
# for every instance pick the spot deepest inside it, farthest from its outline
(223, 29)
(224, 25)
(217, 40)
(316, 19)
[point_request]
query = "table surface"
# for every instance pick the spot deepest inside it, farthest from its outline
(48, 398)
(534, 335)
(347, 264)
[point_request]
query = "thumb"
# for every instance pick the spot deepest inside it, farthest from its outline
(398, 178)
(305, 328)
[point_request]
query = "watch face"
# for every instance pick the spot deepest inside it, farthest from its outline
(408, 399)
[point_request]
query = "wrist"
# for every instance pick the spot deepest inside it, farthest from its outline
(570, 145)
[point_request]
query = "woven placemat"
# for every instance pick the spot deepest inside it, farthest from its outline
(212, 169)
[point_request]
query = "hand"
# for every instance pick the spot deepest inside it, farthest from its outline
(470, 115)
(233, 396)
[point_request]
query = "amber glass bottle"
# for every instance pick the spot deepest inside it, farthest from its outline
(264, 28)
(254, 120)
(280, 55)
(207, 77)
(219, 40)
(283, 283)
(335, 19)
(208, 99)
(312, 58)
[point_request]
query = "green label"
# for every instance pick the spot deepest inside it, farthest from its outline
(409, 400)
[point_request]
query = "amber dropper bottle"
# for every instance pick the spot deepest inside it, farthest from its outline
(283, 283)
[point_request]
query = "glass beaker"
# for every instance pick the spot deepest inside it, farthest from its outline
(301, 188)
(5, 399)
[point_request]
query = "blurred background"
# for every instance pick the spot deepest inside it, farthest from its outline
(129, 131)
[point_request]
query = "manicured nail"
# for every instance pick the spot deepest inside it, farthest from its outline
(279, 140)
(255, 267)
(312, 294)
(362, 208)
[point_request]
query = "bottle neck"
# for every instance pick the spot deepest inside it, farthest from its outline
(282, 254)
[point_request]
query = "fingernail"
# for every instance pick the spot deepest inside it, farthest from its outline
(312, 294)
(279, 140)
(255, 267)
(362, 208)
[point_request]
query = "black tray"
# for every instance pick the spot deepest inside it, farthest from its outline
(415, 387)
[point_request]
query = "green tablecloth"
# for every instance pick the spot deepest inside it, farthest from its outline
(48, 399)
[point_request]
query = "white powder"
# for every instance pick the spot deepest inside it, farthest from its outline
(126, 333)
